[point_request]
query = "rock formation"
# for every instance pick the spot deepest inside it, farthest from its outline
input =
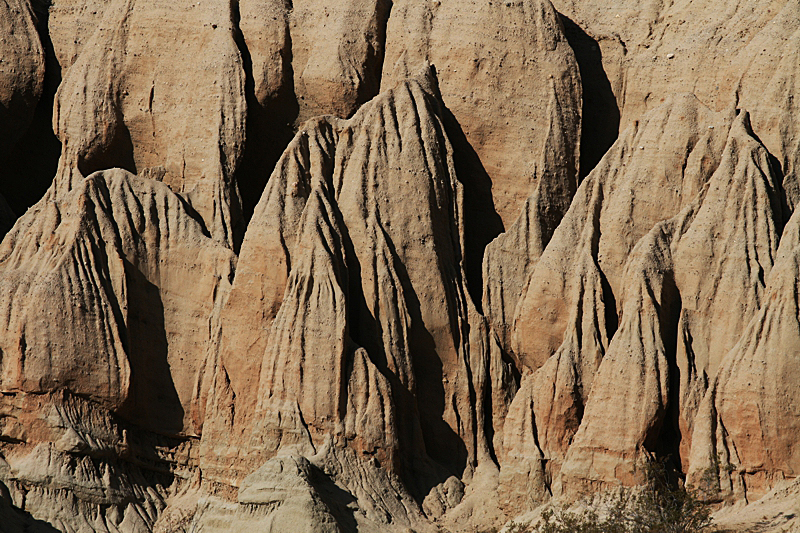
(22, 65)
(516, 49)
(674, 293)
(749, 413)
(394, 266)
(342, 254)
(731, 54)
(120, 104)
(21, 71)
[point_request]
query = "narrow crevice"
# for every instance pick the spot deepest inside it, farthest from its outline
(269, 124)
(375, 55)
(30, 165)
(385, 13)
(117, 154)
(609, 307)
(482, 223)
(788, 195)
(600, 125)
(664, 441)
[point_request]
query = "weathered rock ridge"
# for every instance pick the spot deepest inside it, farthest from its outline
(394, 266)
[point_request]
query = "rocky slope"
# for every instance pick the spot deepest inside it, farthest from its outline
(394, 266)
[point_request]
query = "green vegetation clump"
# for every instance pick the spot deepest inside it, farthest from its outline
(661, 506)
(709, 484)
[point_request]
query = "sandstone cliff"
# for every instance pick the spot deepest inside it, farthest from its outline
(394, 266)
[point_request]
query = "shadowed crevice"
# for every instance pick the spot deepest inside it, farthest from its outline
(117, 154)
(269, 124)
(153, 401)
(600, 125)
(28, 167)
(481, 221)
(665, 438)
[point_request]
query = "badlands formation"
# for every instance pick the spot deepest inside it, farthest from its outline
(410, 265)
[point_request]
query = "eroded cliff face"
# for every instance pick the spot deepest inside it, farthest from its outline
(394, 266)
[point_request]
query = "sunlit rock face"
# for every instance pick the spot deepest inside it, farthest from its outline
(394, 266)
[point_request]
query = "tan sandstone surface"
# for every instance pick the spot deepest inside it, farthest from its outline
(410, 266)
(21, 68)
